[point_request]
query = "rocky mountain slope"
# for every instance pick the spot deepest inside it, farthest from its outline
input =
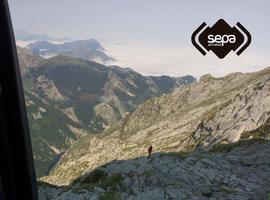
(85, 49)
(231, 172)
(52, 132)
(196, 117)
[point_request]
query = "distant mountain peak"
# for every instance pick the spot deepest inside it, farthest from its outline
(89, 49)
(88, 43)
(23, 35)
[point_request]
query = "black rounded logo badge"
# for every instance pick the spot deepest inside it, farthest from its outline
(221, 38)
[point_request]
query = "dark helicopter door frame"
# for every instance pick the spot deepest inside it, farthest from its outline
(16, 160)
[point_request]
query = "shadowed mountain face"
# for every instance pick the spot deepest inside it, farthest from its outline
(85, 49)
(230, 172)
(68, 98)
(200, 116)
(94, 95)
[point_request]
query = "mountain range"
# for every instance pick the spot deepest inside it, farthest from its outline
(68, 98)
(47, 46)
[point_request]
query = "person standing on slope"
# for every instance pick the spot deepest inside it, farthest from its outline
(150, 149)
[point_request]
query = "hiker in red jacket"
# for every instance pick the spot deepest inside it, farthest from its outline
(150, 149)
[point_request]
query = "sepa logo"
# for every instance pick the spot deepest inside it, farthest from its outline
(221, 38)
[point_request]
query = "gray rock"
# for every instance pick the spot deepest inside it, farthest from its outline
(171, 178)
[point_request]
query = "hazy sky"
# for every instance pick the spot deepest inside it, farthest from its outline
(152, 36)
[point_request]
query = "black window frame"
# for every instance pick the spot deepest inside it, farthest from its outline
(16, 158)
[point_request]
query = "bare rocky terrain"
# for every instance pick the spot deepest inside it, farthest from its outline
(238, 171)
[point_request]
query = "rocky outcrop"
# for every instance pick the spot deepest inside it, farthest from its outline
(27, 60)
(238, 172)
(196, 117)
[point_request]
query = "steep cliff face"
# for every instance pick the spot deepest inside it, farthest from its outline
(197, 117)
